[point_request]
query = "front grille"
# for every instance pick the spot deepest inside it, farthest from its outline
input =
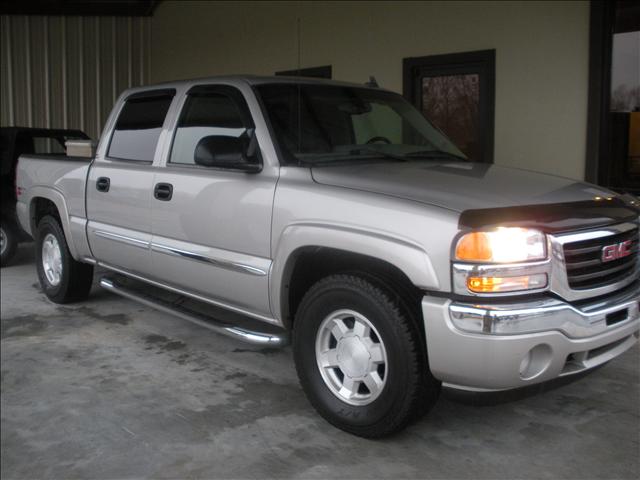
(585, 268)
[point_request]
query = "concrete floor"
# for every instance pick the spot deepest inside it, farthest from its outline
(110, 389)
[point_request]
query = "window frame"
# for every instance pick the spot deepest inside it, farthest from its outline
(234, 94)
(606, 19)
(481, 62)
(155, 93)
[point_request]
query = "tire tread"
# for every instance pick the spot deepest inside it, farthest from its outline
(422, 389)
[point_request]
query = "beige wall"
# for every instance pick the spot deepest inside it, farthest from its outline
(66, 72)
(541, 56)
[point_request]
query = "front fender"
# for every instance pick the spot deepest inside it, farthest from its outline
(409, 257)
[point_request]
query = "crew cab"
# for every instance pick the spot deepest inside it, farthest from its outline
(335, 216)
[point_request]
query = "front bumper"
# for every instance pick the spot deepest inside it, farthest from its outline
(504, 346)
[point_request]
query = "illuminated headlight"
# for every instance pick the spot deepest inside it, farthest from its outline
(503, 245)
(502, 261)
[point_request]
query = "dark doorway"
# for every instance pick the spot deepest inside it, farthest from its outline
(456, 92)
(613, 131)
(312, 72)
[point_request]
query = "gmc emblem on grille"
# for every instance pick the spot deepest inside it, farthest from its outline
(614, 252)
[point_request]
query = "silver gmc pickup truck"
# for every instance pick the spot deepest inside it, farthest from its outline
(335, 216)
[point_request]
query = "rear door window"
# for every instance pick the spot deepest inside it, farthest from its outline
(138, 127)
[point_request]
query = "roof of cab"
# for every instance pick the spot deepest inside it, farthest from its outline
(246, 79)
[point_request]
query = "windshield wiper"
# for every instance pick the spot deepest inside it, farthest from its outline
(395, 156)
(434, 154)
(355, 154)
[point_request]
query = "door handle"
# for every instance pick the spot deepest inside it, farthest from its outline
(103, 184)
(163, 191)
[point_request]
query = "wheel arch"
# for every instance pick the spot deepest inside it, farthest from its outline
(47, 201)
(307, 253)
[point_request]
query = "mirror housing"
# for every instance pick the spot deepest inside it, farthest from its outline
(232, 153)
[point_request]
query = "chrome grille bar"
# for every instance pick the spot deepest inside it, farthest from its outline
(579, 271)
(586, 267)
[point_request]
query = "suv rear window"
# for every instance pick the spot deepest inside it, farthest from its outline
(138, 128)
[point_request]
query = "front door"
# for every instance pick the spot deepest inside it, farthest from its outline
(211, 233)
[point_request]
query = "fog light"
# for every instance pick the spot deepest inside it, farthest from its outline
(535, 362)
(506, 284)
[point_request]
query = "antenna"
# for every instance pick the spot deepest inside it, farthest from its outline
(299, 91)
(299, 46)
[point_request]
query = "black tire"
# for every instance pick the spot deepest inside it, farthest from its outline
(76, 277)
(10, 242)
(410, 389)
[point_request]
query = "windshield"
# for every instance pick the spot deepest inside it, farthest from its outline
(317, 124)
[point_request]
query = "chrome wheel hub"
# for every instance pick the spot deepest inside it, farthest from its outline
(52, 259)
(3, 240)
(351, 357)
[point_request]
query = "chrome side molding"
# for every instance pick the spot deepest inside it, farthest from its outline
(134, 242)
(178, 252)
(247, 336)
(228, 265)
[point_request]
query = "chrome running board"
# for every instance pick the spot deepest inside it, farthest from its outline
(244, 335)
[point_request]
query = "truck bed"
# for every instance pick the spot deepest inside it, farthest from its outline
(64, 174)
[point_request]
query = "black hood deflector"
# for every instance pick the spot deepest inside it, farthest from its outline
(554, 217)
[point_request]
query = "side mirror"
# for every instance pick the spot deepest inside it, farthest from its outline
(231, 153)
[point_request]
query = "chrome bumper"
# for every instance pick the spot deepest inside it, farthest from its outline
(503, 346)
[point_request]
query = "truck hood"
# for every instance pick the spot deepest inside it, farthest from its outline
(458, 185)
(487, 194)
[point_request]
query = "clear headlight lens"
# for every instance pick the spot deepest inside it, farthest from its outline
(503, 245)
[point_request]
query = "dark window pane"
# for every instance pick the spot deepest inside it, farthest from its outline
(621, 170)
(204, 115)
(138, 128)
(452, 103)
(46, 145)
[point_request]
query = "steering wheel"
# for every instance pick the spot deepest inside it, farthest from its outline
(378, 139)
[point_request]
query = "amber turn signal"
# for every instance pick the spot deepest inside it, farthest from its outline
(474, 246)
(506, 284)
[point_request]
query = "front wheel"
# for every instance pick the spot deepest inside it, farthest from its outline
(62, 278)
(359, 357)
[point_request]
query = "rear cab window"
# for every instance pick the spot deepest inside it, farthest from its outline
(137, 130)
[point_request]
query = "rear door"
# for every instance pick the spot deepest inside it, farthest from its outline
(211, 236)
(120, 184)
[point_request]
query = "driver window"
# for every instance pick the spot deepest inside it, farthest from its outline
(204, 115)
(381, 121)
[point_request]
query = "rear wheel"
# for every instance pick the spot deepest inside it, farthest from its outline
(8, 242)
(62, 278)
(359, 358)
